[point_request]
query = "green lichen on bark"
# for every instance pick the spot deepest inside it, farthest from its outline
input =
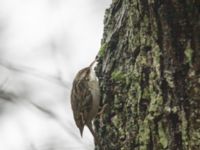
(102, 50)
(118, 76)
(149, 73)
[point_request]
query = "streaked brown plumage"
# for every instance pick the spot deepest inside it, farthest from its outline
(85, 97)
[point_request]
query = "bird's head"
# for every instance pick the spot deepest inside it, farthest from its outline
(87, 74)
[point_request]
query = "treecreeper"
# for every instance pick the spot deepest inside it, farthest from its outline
(85, 99)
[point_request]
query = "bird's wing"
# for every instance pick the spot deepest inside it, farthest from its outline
(81, 101)
(87, 105)
(75, 103)
(86, 101)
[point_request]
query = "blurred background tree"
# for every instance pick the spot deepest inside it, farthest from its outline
(42, 46)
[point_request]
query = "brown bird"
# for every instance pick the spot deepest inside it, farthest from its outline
(85, 98)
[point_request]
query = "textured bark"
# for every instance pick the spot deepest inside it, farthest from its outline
(149, 71)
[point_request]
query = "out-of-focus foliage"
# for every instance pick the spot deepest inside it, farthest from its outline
(42, 45)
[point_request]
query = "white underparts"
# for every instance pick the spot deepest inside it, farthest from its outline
(93, 76)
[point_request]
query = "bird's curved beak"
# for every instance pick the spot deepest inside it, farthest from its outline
(81, 131)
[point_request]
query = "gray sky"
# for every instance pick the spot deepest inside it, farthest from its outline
(34, 29)
(43, 43)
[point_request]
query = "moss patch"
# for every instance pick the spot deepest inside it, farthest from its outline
(103, 50)
(118, 76)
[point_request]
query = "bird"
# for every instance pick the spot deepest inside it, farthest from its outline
(85, 98)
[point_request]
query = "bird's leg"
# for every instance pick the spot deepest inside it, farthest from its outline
(96, 138)
(102, 109)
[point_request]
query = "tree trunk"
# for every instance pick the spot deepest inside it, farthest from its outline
(149, 72)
